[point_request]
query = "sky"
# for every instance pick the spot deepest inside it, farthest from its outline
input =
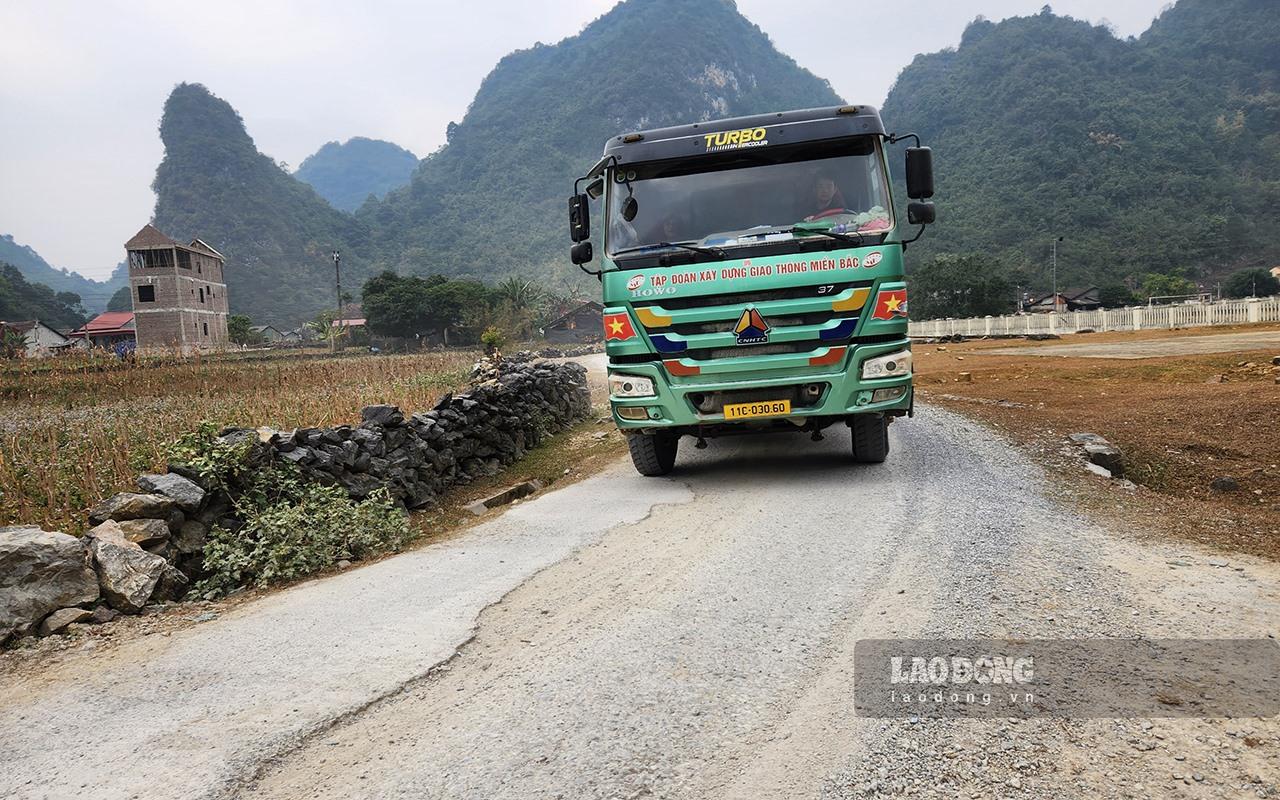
(82, 84)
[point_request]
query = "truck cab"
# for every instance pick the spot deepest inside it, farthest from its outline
(752, 277)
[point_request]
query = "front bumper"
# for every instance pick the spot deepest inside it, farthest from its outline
(844, 393)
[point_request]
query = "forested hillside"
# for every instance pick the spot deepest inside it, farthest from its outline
(275, 231)
(347, 174)
(21, 300)
(1154, 155)
(93, 294)
(492, 201)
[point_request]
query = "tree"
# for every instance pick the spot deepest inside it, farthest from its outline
(395, 306)
(1115, 295)
(122, 300)
(1251, 283)
(1156, 284)
(240, 330)
(969, 285)
(13, 344)
(519, 293)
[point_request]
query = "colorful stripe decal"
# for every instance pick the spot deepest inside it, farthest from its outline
(842, 331)
(853, 303)
(665, 344)
(832, 356)
(680, 370)
(651, 319)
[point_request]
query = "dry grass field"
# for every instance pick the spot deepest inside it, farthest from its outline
(73, 431)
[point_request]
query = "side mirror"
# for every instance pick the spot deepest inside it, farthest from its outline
(919, 173)
(920, 213)
(579, 219)
(581, 253)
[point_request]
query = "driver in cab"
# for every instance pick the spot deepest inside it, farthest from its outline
(826, 198)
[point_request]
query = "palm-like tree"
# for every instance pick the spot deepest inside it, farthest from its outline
(519, 294)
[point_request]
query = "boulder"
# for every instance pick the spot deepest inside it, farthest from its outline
(41, 572)
(171, 586)
(127, 574)
(191, 537)
(144, 532)
(185, 494)
(130, 505)
(60, 619)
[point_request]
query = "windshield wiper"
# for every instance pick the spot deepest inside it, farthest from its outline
(715, 252)
(855, 239)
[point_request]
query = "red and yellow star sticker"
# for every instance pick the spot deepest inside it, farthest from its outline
(618, 326)
(891, 304)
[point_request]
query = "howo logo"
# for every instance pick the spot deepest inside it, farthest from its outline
(751, 327)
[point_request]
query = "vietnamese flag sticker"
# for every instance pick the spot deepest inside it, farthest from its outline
(891, 304)
(618, 326)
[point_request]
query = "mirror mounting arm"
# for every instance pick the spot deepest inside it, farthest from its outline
(894, 138)
(919, 233)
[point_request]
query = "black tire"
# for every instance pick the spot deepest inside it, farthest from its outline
(653, 454)
(870, 438)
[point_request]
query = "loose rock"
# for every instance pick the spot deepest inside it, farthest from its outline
(59, 620)
(127, 574)
(183, 492)
(130, 505)
(145, 532)
(41, 572)
(1225, 483)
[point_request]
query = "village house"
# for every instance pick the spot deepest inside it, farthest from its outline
(269, 333)
(580, 325)
(113, 330)
(1082, 299)
(41, 340)
(179, 292)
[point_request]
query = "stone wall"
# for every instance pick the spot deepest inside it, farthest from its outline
(147, 546)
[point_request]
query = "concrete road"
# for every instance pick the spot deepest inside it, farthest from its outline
(1153, 348)
(686, 637)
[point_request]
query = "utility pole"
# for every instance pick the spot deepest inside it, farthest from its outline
(337, 279)
(1054, 246)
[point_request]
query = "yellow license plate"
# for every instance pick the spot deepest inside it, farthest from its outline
(763, 408)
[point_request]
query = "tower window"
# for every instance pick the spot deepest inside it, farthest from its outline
(202, 294)
(206, 329)
(146, 293)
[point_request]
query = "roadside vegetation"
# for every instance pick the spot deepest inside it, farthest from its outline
(75, 430)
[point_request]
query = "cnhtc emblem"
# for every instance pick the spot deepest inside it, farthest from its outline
(751, 327)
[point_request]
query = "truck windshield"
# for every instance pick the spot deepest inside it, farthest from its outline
(750, 197)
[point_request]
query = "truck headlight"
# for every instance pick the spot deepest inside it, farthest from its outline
(630, 386)
(889, 365)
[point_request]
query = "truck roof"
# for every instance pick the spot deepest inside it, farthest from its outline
(715, 136)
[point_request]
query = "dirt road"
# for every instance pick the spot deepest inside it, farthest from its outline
(683, 637)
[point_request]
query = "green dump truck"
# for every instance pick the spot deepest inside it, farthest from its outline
(752, 278)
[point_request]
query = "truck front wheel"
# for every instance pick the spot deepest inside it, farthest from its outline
(870, 438)
(653, 453)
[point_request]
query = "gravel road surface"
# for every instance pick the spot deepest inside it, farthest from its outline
(685, 637)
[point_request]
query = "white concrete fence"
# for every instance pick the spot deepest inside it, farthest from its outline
(1136, 318)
